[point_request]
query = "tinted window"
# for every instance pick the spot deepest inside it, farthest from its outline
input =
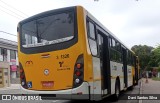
(110, 42)
(113, 43)
(48, 30)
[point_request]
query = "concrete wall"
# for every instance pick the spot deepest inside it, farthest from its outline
(5, 73)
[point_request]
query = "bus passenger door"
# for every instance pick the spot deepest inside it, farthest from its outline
(125, 67)
(104, 63)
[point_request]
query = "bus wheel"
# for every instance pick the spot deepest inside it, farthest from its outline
(132, 87)
(117, 90)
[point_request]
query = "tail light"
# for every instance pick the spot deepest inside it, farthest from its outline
(78, 71)
(78, 66)
(22, 77)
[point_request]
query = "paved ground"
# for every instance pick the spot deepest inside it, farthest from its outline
(15, 89)
(15, 80)
(150, 88)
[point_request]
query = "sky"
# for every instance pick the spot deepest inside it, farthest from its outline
(134, 22)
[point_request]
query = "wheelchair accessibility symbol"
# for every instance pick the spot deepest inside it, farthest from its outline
(29, 84)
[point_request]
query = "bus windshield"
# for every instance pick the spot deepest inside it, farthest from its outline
(48, 30)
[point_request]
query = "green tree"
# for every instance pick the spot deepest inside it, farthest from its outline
(159, 69)
(155, 57)
(144, 54)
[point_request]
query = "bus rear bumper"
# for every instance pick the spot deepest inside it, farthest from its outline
(81, 92)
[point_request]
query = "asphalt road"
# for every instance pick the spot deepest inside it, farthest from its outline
(107, 100)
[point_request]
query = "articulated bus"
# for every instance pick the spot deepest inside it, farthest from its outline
(69, 52)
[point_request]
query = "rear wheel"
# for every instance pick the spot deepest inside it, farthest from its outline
(117, 90)
(132, 87)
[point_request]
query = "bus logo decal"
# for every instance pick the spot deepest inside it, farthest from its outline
(60, 63)
(29, 62)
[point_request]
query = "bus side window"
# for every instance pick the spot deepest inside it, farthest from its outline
(113, 43)
(119, 52)
(92, 38)
(118, 46)
(112, 50)
(99, 40)
(127, 53)
(115, 50)
(129, 57)
(110, 42)
(91, 30)
(133, 60)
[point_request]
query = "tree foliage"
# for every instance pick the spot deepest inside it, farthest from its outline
(155, 57)
(144, 54)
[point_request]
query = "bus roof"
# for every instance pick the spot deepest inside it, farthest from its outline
(105, 29)
(88, 14)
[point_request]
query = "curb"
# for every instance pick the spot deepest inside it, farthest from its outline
(12, 87)
(8, 88)
(140, 89)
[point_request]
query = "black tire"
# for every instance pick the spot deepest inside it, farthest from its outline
(117, 90)
(132, 87)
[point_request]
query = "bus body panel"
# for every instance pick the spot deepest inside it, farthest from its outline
(97, 78)
(60, 68)
(116, 72)
(82, 35)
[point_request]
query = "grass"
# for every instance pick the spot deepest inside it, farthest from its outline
(156, 78)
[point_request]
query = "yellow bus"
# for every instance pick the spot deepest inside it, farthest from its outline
(69, 52)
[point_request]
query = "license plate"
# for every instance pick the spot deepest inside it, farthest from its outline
(47, 83)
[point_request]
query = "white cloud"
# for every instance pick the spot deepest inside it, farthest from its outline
(127, 19)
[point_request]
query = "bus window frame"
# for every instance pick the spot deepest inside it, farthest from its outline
(100, 31)
(89, 37)
(54, 47)
(129, 58)
(114, 50)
